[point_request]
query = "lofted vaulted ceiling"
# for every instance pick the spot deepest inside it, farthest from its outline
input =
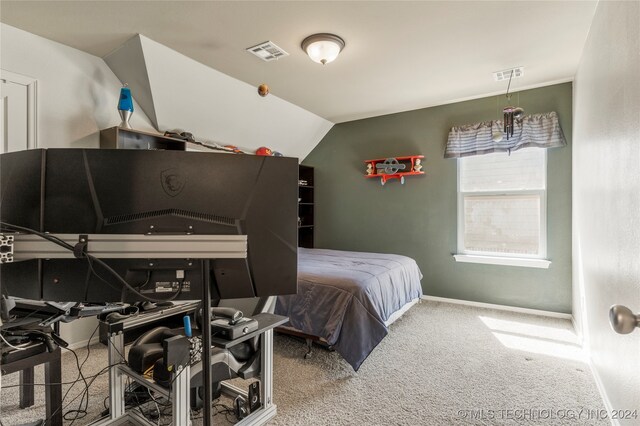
(398, 55)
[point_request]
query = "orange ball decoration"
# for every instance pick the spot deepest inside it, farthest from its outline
(263, 90)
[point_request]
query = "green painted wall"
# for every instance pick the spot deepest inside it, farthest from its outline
(418, 219)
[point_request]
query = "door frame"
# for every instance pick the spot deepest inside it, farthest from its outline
(32, 103)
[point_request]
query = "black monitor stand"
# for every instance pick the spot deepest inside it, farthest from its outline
(206, 342)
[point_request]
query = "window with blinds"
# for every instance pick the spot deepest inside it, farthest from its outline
(502, 204)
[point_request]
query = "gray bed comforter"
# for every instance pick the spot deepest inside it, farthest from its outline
(346, 297)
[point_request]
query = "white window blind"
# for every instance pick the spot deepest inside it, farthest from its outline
(502, 204)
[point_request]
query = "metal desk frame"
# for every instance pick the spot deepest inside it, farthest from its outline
(116, 246)
(179, 394)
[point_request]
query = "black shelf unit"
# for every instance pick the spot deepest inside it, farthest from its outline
(306, 206)
(120, 138)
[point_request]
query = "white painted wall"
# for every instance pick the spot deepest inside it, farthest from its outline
(77, 92)
(214, 106)
(606, 198)
(77, 96)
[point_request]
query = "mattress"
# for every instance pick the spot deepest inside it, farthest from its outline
(346, 297)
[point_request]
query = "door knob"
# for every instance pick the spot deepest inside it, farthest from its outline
(623, 320)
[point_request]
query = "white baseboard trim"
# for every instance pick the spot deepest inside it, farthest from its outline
(603, 394)
(83, 343)
(578, 331)
(499, 307)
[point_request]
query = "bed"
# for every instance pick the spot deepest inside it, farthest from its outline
(349, 299)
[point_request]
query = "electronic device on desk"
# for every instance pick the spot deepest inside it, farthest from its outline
(48, 313)
(24, 321)
(18, 341)
(230, 324)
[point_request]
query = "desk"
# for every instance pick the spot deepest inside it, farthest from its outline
(36, 354)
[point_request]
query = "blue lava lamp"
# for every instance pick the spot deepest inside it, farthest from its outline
(125, 107)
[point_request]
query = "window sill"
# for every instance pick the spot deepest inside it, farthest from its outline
(504, 261)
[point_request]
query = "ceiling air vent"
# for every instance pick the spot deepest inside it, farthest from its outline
(267, 51)
(505, 74)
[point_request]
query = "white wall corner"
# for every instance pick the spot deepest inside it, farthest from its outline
(603, 393)
(185, 94)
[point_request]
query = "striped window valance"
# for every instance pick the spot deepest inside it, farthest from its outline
(537, 130)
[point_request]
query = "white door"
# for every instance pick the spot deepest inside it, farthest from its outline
(17, 112)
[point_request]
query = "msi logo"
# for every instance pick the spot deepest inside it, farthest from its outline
(172, 181)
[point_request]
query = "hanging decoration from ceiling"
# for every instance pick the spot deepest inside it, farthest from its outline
(511, 114)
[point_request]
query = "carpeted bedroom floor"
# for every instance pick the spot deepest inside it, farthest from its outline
(440, 364)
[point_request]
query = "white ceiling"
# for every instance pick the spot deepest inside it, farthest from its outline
(398, 56)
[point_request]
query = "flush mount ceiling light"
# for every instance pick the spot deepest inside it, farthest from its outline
(323, 48)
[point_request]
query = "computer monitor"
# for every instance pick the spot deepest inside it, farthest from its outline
(92, 191)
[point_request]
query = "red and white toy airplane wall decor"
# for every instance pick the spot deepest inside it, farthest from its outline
(394, 168)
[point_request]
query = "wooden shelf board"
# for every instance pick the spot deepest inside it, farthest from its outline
(395, 174)
(406, 157)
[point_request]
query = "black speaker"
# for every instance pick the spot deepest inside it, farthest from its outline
(254, 396)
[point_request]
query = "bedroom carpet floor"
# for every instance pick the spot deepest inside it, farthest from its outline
(440, 364)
